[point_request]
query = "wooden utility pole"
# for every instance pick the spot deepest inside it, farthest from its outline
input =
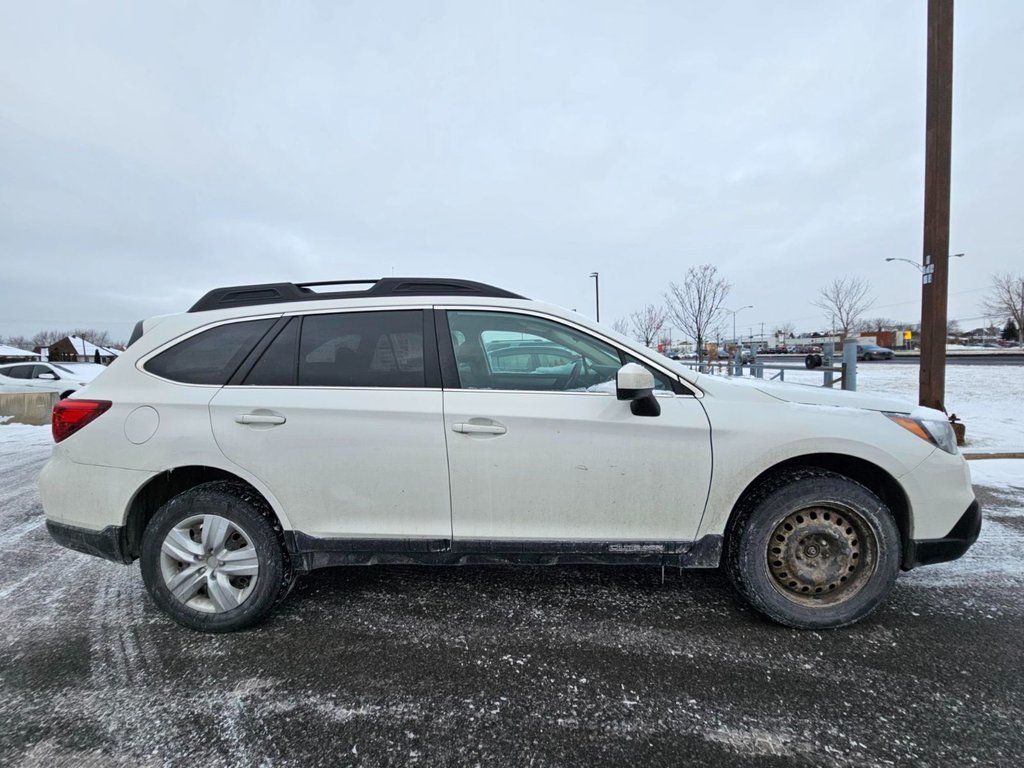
(938, 141)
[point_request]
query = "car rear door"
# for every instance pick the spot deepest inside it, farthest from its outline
(340, 417)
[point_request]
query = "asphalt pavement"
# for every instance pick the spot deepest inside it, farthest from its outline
(502, 666)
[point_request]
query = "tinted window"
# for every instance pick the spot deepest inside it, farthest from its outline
(19, 372)
(209, 357)
(276, 367)
(362, 349)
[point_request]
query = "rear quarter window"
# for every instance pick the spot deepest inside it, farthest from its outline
(209, 357)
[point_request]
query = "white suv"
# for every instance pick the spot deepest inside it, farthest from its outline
(274, 429)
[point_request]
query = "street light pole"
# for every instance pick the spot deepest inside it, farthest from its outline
(918, 267)
(926, 274)
(733, 313)
(597, 294)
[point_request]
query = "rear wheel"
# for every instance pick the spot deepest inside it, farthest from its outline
(814, 549)
(213, 560)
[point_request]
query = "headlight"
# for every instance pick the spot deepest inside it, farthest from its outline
(938, 432)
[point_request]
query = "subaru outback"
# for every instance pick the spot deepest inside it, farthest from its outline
(274, 429)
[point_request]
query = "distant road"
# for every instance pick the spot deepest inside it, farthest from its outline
(958, 358)
(961, 358)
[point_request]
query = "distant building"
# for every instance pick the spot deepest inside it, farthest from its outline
(15, 355)
(72, 349)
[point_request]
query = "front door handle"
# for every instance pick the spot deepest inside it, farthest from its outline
(472, 428)
(259, 418)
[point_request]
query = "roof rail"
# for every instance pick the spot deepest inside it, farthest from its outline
(278, 293)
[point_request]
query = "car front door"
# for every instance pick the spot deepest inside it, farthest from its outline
(341, 419)
(550, 455)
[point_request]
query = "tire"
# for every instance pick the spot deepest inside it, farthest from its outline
(186, 578)
(813, 549)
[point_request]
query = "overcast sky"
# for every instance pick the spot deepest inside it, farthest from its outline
(149, 152)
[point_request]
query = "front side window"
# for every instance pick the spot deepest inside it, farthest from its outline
(496, 350)
(39, 370)
(210, 357)
(362, 349)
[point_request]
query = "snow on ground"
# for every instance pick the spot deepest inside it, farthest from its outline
(989, 399)
(503, 666)
(15, 436)
(1007, 474)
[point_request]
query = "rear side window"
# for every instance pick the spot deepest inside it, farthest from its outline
(209, 357)
(19, 372)
(362, 349)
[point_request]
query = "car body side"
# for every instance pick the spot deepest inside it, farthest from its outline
(112, 475)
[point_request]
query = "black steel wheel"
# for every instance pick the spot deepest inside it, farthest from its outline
(814, 549)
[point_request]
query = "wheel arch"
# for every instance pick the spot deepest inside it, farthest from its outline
(166, 485)
(868, 474)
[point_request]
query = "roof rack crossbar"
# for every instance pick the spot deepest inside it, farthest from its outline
(278, 293)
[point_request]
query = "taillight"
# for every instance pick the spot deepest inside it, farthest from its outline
(69, 416)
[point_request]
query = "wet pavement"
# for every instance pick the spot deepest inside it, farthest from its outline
(503, 666)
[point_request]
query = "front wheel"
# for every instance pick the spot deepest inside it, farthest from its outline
(212, 558)
(813, 549)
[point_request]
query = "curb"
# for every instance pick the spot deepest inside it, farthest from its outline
(1002, 455)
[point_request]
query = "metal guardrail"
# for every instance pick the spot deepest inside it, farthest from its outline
(847, 370)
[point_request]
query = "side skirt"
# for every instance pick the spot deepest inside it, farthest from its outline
(310, 552)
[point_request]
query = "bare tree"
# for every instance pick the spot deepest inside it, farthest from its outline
(878, 324)
(19, 342)
(621, 326)
(1005, 300)
(647, 323)
(696, 305)
(46, 338)
(786, 330)
(844, 301)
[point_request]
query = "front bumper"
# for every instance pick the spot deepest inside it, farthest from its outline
(109, 543)
(949, 547)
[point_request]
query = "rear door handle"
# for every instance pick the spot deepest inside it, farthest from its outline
(259, 418)
(471, 428)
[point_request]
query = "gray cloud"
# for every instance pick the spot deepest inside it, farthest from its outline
(149, 153)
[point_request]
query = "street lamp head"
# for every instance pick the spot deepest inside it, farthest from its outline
(593, 274)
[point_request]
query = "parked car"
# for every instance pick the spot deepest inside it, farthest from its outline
(65, 378)
(528, 356)
(271, 430)
(873, 352)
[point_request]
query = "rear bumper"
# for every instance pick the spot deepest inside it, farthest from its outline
(949, 547)
(108, 543)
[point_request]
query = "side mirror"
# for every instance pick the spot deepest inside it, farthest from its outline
(635, 383)
(47, 376)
